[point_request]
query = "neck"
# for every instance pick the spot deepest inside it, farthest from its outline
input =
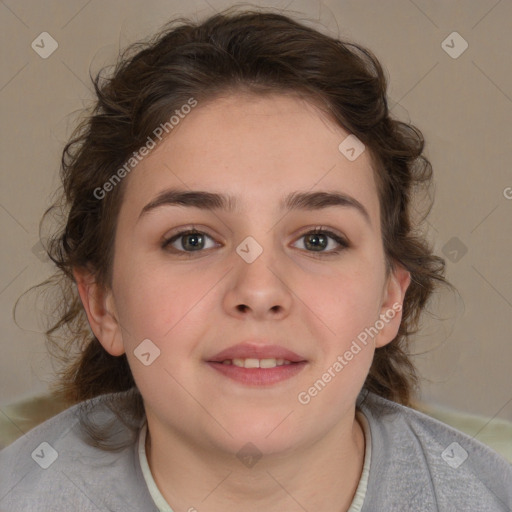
(321, 476)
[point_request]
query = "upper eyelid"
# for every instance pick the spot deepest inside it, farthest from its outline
(195, 229)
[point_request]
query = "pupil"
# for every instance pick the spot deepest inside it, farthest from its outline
(315, 239)
(195, 244)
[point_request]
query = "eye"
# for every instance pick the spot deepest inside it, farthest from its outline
(318, 239)
(186, 241)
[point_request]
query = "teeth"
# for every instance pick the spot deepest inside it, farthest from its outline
(257, 363)
(252, 363)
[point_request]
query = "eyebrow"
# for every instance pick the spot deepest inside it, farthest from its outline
(217, 201)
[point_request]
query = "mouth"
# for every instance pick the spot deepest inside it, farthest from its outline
(251, 362)
(257, 365)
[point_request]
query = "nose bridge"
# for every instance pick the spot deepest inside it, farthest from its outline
(258, 258)
(260, 241)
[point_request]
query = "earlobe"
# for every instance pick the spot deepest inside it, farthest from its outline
(391, 310)
(100, 309)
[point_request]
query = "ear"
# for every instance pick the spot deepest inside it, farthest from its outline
(100, 309)
(391, 309)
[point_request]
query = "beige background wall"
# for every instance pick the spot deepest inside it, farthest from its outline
(463, 105)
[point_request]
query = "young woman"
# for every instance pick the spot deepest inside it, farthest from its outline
(238, 227)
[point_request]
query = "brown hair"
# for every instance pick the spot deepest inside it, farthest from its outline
(259, 52)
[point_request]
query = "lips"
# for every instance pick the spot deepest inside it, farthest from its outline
(255, 364)
(251, 350)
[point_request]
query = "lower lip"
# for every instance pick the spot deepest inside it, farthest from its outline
(258, 376)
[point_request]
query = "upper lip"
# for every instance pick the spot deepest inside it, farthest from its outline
(254, 350)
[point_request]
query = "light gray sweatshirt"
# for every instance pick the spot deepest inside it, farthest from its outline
(417, 464)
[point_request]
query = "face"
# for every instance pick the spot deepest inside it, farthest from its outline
(252, 285)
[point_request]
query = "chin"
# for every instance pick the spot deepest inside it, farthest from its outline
(266, 433)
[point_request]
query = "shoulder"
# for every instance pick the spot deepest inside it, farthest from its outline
(429, 465)
(54, 467)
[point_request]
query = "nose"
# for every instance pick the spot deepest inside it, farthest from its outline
(259, 289)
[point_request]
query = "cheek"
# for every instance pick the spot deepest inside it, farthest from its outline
(347, 302)
(169, 309)
(153, 301)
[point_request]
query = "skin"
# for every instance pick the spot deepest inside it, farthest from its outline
(258, 149)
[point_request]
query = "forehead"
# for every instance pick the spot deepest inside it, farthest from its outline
(257, 149)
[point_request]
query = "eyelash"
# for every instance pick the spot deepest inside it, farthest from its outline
(318, 230)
